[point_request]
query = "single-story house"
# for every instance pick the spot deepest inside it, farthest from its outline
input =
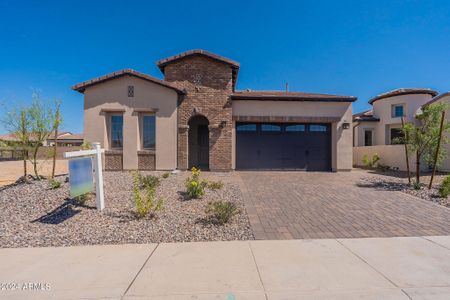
(65, 139)
(196, 117)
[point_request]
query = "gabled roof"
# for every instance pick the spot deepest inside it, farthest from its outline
(365, 116)
(81, 87)
(164, 62)
(289, 96)
(403, 91)
(437, 98)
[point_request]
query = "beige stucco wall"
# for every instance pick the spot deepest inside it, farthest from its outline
(113, 94)
(341, 139)
(382, 109)
(390, 155)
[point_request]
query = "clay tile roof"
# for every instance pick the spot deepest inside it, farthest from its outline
(81, 87)
(163, 62)
(365, 116)
(433, 100)
(403, 91)
(289, 96)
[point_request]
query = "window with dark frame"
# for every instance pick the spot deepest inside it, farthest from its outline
(130, 91)
(316, 127)
(246, 127)
(148, 132)
(116, 131)
(397, 136)
(367, 137)
(270, 127)
(398, 110)
(295, 128)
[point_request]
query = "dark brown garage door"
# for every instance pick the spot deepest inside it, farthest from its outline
(283, 146)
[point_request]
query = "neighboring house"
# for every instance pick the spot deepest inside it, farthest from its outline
(195, 117)
(65, 139)
(377, 130)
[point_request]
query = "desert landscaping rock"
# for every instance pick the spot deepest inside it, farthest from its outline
(396, 181)
(34, 215)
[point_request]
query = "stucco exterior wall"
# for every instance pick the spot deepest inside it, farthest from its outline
(359, 132)
(382, 109)
(113, 95)
(390, 155)
(341, 138)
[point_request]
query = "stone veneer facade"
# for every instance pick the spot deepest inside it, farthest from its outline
(208, 84)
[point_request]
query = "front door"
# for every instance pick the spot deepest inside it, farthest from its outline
(203, 147)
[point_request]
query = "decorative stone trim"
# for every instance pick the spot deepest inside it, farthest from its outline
(286, 119)
(113, 160)
(146, 160)
(145, 110)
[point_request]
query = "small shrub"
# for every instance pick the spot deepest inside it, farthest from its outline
(145, 203)
(221, 211)
(444, 188)
(82, 199)
(149, 181)
(370, 162)
(215, 185)
(54, 184)
(417, 185)
(165, 175)
(194, 186)
(86, 146)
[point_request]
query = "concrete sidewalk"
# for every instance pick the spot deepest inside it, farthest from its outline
(373, 268)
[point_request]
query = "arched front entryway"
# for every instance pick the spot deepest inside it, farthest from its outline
(198, 142)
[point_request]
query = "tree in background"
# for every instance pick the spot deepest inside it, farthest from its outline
(56, 125)
(17, 122)
(42, 122)
(423, 137)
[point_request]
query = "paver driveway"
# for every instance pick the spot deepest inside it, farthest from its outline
(286, 205)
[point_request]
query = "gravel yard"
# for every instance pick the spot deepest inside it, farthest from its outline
(397, 181)
(35, 215)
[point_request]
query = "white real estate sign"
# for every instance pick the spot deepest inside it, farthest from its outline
(96, 155)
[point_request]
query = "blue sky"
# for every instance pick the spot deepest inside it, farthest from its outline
(359, 48)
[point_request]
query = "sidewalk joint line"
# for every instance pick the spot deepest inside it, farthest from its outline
(407, 295)
(425, 238)
(257, 269)
(372, 267)
(139, 272)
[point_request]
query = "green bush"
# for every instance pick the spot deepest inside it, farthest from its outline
(86, 146)
(221, 211)
(194, 186)
(145, 203)
(370, 162)
(444, 188)
(417, 185)
(82, 199)
(215, 185)
(54, 184)
(165, 175)
(149, 181)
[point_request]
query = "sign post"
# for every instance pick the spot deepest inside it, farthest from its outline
(96, 154)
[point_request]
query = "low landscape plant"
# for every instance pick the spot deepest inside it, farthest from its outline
(149, 181)
(195, 187)
(165, 175)
(370, 162)
(444, 188)
(82, 199)
(145, 201)
(54, 184)
(221, 211)
(417, 185)
(215, 185)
